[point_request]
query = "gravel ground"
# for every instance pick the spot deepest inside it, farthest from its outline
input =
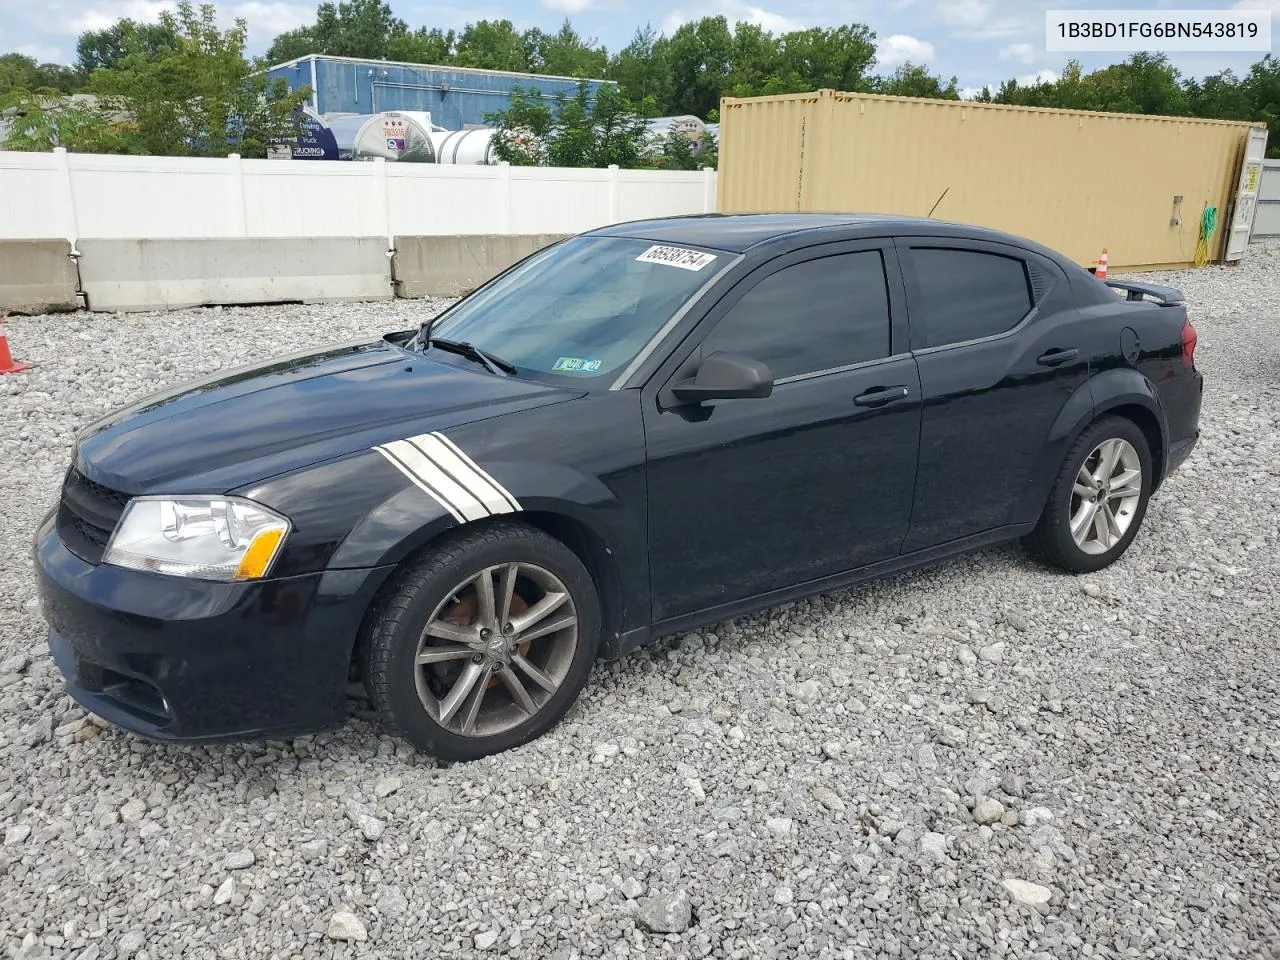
(984, 759)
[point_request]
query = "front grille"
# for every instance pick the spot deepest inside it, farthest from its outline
(87, 515)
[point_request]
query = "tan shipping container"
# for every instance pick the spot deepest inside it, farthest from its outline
(1073, 180)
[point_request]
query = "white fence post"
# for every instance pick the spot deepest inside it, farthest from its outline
(72, 226)
(239, 215)
(504, 197)
(384, 202)
(708, 190)
(613, 193)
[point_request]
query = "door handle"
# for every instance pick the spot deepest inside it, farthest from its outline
(1055, 357)
(879, 396)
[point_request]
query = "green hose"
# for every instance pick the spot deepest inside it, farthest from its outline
(1208, 220)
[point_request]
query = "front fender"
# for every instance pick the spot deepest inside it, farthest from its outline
(409, 519)
(406, 521)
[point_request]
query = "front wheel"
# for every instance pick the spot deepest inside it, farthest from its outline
(482, 644)
(1098, 500)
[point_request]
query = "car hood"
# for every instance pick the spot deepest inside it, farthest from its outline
(253, 422)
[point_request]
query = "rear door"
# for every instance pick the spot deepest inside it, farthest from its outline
(750, 496)
(1000, 350)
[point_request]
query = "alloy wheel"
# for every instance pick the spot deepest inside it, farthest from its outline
(496, 650)
(1105, 496)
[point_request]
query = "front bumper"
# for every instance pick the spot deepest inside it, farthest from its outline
(177, 659)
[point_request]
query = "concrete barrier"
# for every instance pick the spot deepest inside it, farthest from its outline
(456, 265)
(36, 276)
(134, 275)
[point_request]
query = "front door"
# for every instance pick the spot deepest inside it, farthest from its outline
(750, 496)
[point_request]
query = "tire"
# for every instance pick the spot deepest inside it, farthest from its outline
(1053, 539)
(441, 591)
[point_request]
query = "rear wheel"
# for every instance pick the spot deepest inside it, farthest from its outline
(484, 643)
(1098, 500)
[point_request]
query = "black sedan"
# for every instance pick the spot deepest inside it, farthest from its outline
(636, 431)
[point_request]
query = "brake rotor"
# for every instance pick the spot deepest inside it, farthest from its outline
(465, 611)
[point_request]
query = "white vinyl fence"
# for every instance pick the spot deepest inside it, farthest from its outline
(74, 196)
(1266, 216)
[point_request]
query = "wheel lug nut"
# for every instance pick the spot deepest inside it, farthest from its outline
(485, 633)
(508, 629)
(478, 658)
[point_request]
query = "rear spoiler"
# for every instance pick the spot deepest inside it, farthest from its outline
(1165, 296)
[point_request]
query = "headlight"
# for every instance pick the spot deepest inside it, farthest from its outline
(208, 538)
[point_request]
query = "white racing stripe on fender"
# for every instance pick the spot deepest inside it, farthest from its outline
(412, 478)
(467, 472)
(430, 473)
(436, 466)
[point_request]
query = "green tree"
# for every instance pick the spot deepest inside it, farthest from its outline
(106, 48)
(910, 80)
(1220, 95)
(41, 122)
(358, 28)
(566, 54)
(19, 72)
(589, 129)
(493, 45)
(642, 72)
(596, 130)
(523, 129)
(678, 152)
(424, 46)
(204, 99)
(700, 55)
(836, 57)
(755, 63)
(1144, 83)
(1262, 86)
(293, 45)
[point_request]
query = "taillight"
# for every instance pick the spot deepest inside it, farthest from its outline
(1188, 344)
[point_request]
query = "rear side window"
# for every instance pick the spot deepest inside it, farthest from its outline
(812, 316)
(967, 295)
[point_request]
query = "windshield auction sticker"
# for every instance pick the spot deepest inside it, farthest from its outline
(676, 257)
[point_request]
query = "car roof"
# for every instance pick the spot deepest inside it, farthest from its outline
(739, 232)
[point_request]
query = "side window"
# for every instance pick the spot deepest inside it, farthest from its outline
(967, 294)
(812, 316)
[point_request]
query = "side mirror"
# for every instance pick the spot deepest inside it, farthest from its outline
(725, 376)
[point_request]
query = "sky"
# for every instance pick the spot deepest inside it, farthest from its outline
(978, 41)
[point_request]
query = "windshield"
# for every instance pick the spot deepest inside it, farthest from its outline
(583, 308)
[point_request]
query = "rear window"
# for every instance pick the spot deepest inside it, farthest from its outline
(967, 295)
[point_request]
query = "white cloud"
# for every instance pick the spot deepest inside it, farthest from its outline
(267, 19)
(972, 20)
(103, 15)
(569, 6)
(1044, 76)
(968, 93)
(899, 48)
(964, 13)
(734, 11)
(264, 19)
(42, 53)
(1021, 52)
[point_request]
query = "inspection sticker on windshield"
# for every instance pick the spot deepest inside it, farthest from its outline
(576, 365)
(676, 257)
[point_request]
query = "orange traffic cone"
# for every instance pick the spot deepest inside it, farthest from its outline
(1101, 272)
(7, 363)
